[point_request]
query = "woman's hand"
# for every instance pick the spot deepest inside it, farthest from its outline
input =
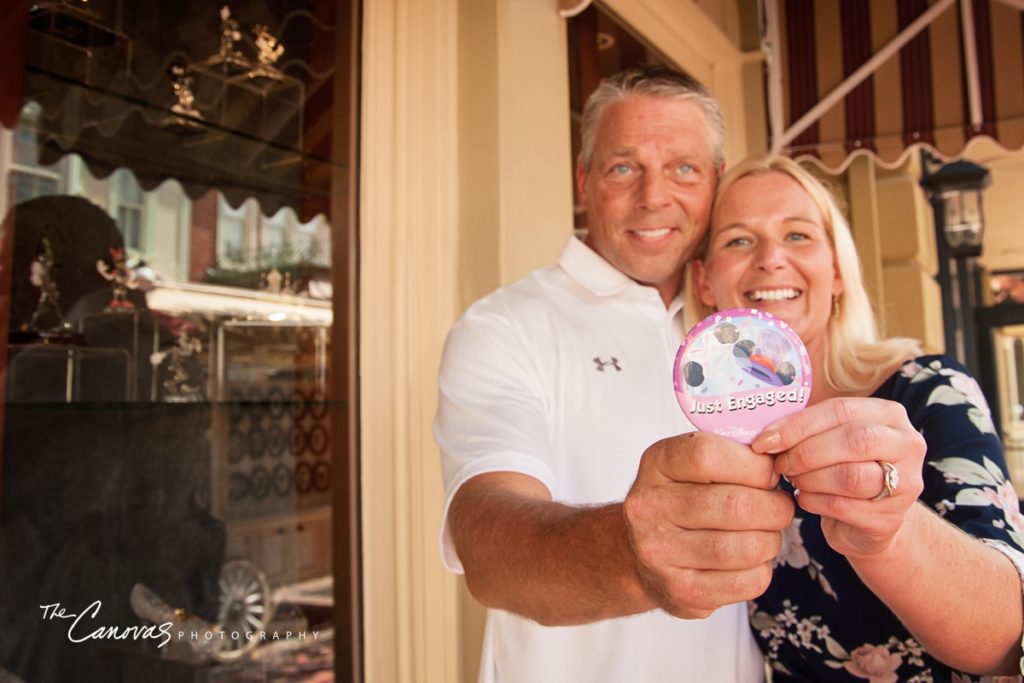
(831, 453)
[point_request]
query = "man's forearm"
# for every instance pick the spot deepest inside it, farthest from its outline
(557, 564)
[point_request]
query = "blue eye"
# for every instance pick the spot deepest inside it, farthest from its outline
(797, 237)
(738, 242)
(686, 168)
(621, 169)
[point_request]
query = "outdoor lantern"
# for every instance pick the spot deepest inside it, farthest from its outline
(957, 188)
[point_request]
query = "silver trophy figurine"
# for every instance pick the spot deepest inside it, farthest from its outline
(230, 59)
(184, 117)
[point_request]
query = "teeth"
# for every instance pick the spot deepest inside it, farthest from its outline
(774, 294)
(653, 234)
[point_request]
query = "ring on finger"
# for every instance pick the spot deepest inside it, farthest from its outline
(890, 479)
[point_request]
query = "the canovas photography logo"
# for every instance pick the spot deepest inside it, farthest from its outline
(85, 625)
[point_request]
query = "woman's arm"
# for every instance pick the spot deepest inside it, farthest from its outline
(959, 597)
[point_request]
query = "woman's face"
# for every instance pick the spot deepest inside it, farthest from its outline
(769, 250)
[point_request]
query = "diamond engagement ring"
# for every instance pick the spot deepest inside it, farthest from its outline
(890, 479)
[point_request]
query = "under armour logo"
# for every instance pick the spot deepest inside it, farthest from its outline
(614, 362)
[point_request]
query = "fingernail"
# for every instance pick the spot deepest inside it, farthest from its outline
(768, 441)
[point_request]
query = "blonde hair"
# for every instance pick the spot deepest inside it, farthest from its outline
(856, 360)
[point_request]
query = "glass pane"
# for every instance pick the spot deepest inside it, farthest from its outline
(168, 455)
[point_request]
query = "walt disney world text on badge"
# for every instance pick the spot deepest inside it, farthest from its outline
(739, 370)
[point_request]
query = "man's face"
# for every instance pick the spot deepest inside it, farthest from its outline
(649, 187)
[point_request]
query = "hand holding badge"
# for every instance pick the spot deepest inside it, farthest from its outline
(739, 370)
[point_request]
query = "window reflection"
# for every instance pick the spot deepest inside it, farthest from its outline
(166, 284)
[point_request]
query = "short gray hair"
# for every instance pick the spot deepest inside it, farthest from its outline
(654, 81)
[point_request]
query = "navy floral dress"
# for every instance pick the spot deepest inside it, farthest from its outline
(817, 621)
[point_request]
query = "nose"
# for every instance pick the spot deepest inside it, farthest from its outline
(654, 192)
(769, 256)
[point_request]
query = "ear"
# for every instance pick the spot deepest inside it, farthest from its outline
(837, 280)
(700, 279)
(581, 185)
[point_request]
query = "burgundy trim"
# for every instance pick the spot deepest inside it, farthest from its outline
(986, 73)
(13, 47)
(803, 70)
(855, 16)
(916, 77)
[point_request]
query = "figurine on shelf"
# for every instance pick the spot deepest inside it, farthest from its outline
(178, 386)
(182, 120)
(269, 50)
(121, 279)
(47, 314)
(276, 283)
(230, 59)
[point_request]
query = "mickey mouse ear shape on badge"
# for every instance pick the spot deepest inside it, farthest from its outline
(739, 370)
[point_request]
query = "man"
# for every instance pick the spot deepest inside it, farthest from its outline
(550, 391)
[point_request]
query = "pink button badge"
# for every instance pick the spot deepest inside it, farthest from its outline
(739, 370)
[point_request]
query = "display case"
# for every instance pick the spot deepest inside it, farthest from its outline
(172, 195)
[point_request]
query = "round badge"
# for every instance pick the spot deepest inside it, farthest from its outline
(739, 370)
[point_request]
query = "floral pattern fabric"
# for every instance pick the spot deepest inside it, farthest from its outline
(817, 621)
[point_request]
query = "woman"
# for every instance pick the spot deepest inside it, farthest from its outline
(894, 458)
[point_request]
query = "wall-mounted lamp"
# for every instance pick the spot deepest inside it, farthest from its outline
(958, 187)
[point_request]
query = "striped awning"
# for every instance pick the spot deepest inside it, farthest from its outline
(880, 77)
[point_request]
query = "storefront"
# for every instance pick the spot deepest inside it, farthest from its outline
(178, 497)
(236, 236)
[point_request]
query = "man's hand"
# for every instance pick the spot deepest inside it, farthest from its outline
(704, 519)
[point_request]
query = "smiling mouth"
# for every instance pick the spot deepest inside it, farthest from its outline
(786, 294)
(653, 234)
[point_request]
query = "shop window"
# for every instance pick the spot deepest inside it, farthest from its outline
(176, 444)
(130, 210)
(232, 233)
(28, 178)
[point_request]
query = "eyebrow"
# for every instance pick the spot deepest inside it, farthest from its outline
(745, 224)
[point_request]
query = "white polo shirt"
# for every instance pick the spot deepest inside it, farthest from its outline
(566, 376)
